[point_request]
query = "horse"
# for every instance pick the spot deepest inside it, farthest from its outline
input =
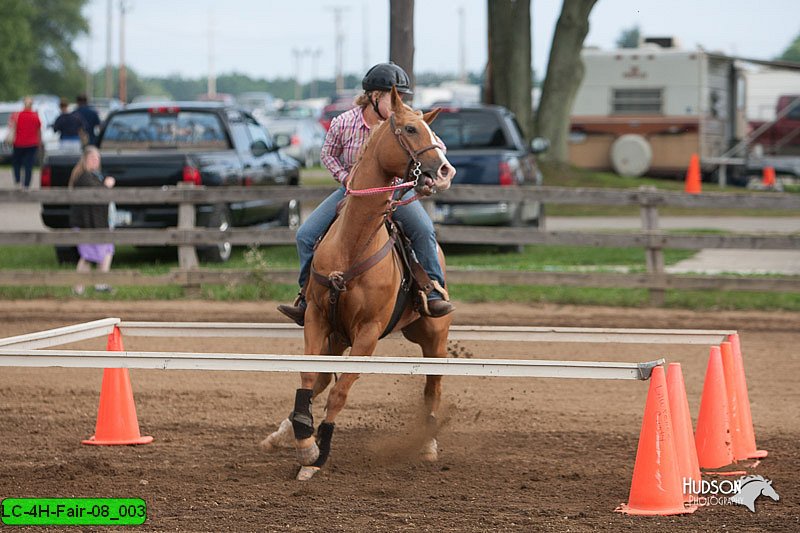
(751, 488)
(356, 278)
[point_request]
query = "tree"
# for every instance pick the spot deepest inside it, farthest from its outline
(16, 52)
(564, 75)
(509, 76)
(629, 38)
(792, 52)
(401, 35)
(55, 24)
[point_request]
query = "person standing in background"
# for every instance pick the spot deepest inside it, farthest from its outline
(86, 173)
(69, 126)
(27, 137)
(90, 118)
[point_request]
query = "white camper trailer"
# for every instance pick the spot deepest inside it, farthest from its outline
(646, 110)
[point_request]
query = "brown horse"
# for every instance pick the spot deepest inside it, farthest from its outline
(354, 256)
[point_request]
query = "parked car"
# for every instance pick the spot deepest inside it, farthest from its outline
(205, 143)
(47, 116)
(257, 101)
(331, 111)
(301, 139)
(104, 106)
(486, 147)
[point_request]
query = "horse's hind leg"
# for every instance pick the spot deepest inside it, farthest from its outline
(431, 335)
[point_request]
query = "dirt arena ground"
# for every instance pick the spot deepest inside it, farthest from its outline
(516, 454)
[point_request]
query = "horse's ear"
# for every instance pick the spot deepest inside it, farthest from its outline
(430, 116)
(397, 101)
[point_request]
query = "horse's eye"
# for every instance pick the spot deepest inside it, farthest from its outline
(411, 129)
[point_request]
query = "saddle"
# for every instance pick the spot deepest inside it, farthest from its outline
(415, 284)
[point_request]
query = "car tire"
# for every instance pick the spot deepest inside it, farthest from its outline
(220, 219)
(290, 215)
(67, 255)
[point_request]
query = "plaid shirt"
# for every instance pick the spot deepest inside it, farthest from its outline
(347, 133)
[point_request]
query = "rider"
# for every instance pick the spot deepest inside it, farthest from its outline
(340, 151)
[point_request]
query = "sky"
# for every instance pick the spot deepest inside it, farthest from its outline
(258, 37)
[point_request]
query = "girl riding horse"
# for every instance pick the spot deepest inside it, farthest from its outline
(353, 263)
(340, 151)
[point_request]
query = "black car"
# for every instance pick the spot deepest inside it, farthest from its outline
(162, 144)
(486, 147)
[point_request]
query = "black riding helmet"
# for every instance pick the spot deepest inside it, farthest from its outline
(383, 76)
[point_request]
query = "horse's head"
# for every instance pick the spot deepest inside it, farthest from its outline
(417, 156)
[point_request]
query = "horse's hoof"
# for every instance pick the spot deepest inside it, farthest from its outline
(307, 472)
(309, 455)
(430, 451)
(283, 437)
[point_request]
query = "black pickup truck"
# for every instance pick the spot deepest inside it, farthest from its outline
(486, 147)
(210, 144)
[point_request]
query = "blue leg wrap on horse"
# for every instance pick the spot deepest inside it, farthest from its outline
(302, 421)
(324, 435)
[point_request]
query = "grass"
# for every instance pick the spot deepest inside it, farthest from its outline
(533, 258)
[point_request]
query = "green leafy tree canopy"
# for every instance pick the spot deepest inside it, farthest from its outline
(792, 52)
(629, 38)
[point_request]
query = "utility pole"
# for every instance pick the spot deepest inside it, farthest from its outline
(109, 80)
(123, 74)
(89, 81)
(297, 54)
(212, 77)
(339, 32)
(315, 71)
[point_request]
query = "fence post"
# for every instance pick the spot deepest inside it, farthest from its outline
(187, 256)
(654, 256)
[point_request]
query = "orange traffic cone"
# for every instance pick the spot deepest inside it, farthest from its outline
(734, 402)
(713, 435)
(746, 418)
(116, 415)
(688, 467)
(693, 185)
(768, 177)
(656, 484)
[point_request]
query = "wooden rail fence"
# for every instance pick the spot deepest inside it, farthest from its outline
(186, 236)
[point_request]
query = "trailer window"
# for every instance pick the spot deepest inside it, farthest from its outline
(637, 101)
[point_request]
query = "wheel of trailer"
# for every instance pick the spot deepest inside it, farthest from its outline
(631, 155)
(290, 215)
(220, 219)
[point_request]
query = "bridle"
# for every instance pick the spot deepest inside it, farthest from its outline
(412, 174)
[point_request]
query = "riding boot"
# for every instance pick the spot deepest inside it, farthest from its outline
(296, 311)
(438, 307)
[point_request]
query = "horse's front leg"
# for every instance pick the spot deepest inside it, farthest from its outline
(316, 343)
(337, 398)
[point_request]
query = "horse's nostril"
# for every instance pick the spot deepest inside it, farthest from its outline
(446, 171)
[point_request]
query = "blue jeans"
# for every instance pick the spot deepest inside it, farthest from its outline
(23, 157)
(416, 223)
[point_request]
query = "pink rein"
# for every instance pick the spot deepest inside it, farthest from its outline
(378, 190)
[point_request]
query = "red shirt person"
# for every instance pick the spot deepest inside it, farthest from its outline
(27, 137)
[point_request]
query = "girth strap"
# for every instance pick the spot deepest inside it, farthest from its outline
(336, 282)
